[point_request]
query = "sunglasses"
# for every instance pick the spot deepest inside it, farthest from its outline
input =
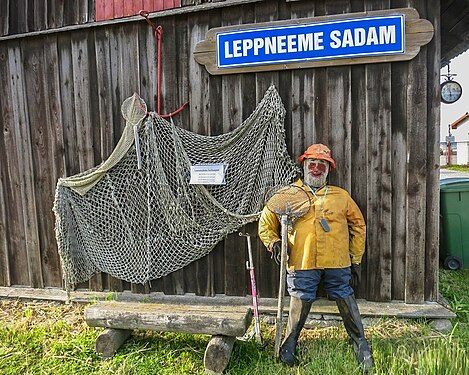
(317, 165)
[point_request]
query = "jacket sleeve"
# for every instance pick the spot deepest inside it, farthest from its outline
(268, 228)
(357, 231)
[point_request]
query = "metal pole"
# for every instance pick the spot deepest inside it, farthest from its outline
(281, 288)
(250, 267)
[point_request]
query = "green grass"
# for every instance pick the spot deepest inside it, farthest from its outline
(456, 167)
(454, 285)
(49, 338)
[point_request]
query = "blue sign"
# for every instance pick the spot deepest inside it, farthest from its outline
(356, 37)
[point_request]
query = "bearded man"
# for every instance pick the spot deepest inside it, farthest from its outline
(325, 245)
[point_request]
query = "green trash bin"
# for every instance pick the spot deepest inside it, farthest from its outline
(454, 223)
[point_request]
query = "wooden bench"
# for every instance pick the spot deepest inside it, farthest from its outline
(224, 323)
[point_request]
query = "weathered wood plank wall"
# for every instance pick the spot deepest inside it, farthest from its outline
(60, 97)
(23, 16)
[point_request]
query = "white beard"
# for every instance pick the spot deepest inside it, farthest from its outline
(316, 181)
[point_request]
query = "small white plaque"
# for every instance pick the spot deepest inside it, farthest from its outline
(208, 174)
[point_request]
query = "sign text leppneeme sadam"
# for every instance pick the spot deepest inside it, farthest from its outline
(344, 38)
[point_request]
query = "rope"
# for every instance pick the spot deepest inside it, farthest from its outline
(158, 34)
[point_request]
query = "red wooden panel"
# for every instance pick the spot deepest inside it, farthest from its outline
(137, 6)
(100, 12)
(148, 5)
(168, 4)
(128, 8)
(158, 5)
(108, 10)
(118, 8)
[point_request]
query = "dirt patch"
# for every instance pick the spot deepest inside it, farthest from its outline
(14, 312)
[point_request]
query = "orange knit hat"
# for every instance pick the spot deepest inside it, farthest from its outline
(318, 151)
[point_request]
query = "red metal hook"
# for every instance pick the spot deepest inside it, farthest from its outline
(158, 33)
(157, 29)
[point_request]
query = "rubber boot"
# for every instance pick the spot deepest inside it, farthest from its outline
(353, 324)
(297, 315)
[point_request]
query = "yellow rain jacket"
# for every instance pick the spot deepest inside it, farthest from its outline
(311, 247)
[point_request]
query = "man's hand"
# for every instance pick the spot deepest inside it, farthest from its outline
(277, 252)
(356, 275)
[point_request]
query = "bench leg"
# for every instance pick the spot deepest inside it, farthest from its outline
(110, 340)
(217, 354)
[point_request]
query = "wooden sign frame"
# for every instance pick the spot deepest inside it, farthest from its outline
(418, 32)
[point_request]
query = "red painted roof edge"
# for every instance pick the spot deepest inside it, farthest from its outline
(459, 121)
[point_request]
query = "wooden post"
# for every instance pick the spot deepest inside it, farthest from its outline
(110, 340)
(202, 319)
(217, 354)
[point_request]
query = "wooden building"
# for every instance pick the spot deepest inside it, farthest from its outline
(66, 67)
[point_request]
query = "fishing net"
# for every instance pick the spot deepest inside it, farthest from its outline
(137, 217)
(290, 200)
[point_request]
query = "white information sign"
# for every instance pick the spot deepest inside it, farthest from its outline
(208, 174)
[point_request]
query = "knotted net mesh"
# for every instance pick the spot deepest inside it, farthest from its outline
(139, 224)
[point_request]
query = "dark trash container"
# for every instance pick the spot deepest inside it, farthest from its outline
(454, 222)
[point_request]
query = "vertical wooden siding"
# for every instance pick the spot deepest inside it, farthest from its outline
(60, 100)
(22, 16)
